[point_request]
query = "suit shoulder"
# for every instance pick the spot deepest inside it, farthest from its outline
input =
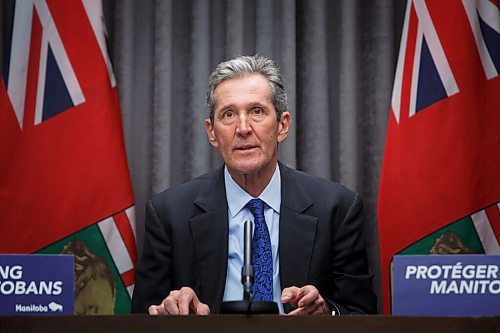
(315, 184)
(322, 191)
(185, 191)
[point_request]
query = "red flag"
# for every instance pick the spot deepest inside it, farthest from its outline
(443, 139)
(64, 184)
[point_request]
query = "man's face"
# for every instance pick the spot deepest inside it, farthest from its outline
(245, 128)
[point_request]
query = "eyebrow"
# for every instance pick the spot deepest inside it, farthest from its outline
(252, 105)
(258, 104)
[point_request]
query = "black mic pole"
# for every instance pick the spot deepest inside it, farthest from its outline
(247, 268)
(248, 305)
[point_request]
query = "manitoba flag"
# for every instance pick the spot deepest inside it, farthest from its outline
(440, 182)
(64, 180)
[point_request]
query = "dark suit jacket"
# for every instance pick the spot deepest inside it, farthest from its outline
(320, 242)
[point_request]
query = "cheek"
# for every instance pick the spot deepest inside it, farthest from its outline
(223, 139)
(271, 142)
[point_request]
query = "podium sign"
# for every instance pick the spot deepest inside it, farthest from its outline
(36, 284)
(446, 285)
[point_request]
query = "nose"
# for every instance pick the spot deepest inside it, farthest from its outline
(243, 126)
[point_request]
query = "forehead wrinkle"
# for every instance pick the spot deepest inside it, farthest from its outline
(253, 89)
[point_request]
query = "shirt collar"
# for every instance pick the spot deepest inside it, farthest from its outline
(237, 198)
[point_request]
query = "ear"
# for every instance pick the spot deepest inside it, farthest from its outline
(210, 133)
(284, 126)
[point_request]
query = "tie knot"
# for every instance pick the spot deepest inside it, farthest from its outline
(256, 207)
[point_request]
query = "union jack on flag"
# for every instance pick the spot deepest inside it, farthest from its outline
(423, 55)
(64, 184)
(440, 178)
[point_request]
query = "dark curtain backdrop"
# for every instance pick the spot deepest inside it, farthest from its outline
(338, 59)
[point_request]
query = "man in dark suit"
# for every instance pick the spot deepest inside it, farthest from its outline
(311, 257)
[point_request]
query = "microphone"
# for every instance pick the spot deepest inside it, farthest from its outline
(247, 268)
(248, 305)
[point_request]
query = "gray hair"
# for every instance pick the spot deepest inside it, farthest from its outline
(241, 66)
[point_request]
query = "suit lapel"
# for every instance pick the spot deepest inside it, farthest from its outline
(297, 231)
(210, 235)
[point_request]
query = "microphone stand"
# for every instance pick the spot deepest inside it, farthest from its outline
(248, 305)
(247, 277)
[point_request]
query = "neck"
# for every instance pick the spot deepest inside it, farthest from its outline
(253, 183)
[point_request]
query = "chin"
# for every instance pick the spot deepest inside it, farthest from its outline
(245, 168)
(251, 166)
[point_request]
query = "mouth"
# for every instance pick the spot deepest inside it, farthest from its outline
(245, 148)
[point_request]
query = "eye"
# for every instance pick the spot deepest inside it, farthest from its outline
(257, 112)
(227, 114)
(227, 117)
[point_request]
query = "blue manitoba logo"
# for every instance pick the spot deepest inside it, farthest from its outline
(28, 287)
(34, 308)
(446, 285)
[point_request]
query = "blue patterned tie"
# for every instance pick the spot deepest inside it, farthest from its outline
(262, 258)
